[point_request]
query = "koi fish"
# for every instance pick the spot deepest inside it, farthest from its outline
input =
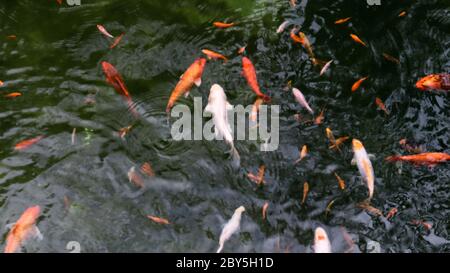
(319, 119)
(249, 72)
(24, 229)
(13, 95)
(293, 3)
(242, 50)
(135, 178)
(303, 154)
(364, 165)
(391, 213)
(295, 37)
(147, 169)
(104, 31)
(282, 27)
(158, 220)
(307, 45)
(193, 75)
(223, 25)
(117, 41)
(403, 13)
(255, 109)
(74, 132)
(390, 58)
(340, 181)
(358, 83)
(434, 82)
(264, 210)
(305, 192)
(231, 227)
(410, 148)
(381, 105)
(214, 55)
(300, 98)
(338, 143)
(1, 83)
(27, 143)
(330, 136)
(357, 39)
(341, 21)
(369, 208)
(124, 131)
(11, 37)
(321, 242)
(325, 68)
(430, 159)
(426, 225)
(218, 106)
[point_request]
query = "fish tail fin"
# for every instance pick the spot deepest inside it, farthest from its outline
(393, 158)
(235, 156)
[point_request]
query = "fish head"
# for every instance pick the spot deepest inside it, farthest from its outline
(241, 209)
(108, 69)
(216, 93)
(320, 235)
(357, 145)
(429, 82)
(201, 62)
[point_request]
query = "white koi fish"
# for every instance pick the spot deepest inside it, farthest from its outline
(321, 242)
(301, 99)
(364, 165)
(231, 227)
(282, 26)
(325, 67)
(218, 106)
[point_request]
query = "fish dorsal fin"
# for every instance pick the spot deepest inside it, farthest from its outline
(229, 106)
(208, 108)
(198, 82)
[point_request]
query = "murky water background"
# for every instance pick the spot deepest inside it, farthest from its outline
(55, 63)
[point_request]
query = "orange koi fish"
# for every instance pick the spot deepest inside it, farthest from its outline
(264, 210)
(147, 169)
(293, 3)
(249, 72)
(358, 83)
(364, 165)
(340, 181)
(357, 39)
(223, 25)
(13, 95)
(117, 41)
(330, 136)
(135, 178)
(319, 119)
(158, 220)
(214, 55)
(27, 143)
(103, 30)
(11, 37)
(369, 208)
(429, 159)
(391, 213)
(242, 50)
(193, 75)
(381, 105)
(341, 21)
(305, 192)
(434, 82)
(124, 131)
(23, 229)
(338, 143)
(303, 154)
(403, 13)
(1, 83)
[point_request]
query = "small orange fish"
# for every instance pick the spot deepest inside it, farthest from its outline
(341, 21)
(426, 225)
(339, 142)
(340, 181)
(358, 83)
(214, 55)
(27, 143)
(381, 105)
(13, 95)
(124, 131)
(320, 118)
(390, 58)
(328, 209)
(434, 82)
(147, 169)
(303, 154)
(369, 208)
(223, 25)
(158, 220)
(1, 83)
(135, 178)
(357, 39)
(242, 50)
(391, 213)
(330, 136)
(305, 192)
(117, 41)
(11, 37)
(23, 229)
(296, 38)
(249, 73)
(429, 159)
(264, 210)
(403, 13)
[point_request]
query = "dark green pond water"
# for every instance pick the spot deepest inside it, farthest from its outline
(83, 189)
